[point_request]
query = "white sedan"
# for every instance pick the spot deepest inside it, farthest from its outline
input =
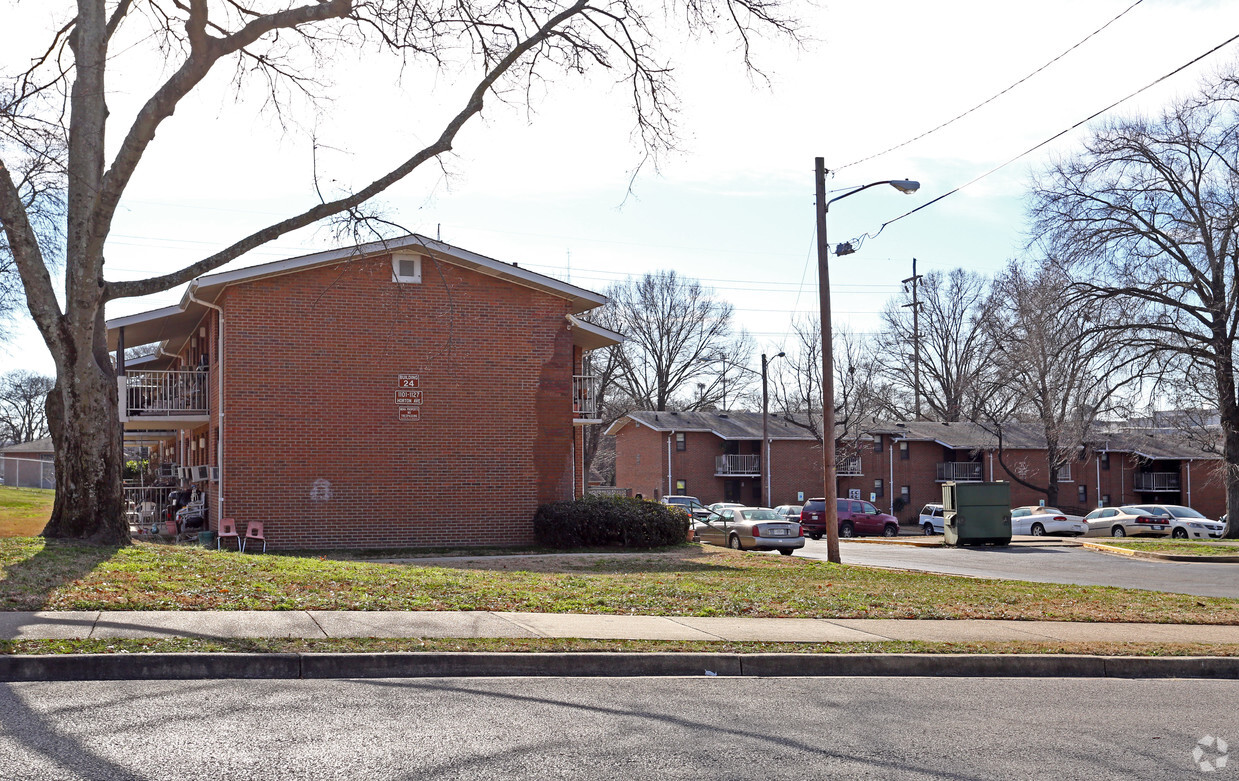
(1186, 523)
(1125, 521)
(1039, 521)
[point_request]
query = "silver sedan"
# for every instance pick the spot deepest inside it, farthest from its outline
(758, 528)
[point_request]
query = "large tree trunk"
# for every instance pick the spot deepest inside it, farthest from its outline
(83, 416)
(1228, 414)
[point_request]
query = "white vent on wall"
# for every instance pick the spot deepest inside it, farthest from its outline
(406, 268)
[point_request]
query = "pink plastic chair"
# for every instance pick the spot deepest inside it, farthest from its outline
(227, 528)
(253, 531)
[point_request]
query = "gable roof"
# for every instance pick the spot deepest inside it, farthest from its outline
(43, 445)
(1028, 436)
(724, 425)
(159, 325)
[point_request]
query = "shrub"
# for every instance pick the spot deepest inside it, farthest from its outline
(597, 521)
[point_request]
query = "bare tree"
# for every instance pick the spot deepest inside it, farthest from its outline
(23, 396)
(954, 350)
(54, 138)
(1149, 212)
(1051, 367)
(797, 385)
(677, 334)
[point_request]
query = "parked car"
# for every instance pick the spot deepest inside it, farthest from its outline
(1041, 520)
(931, 519)
(758, 528)
(1125, 521)
(689, 503)
(718, 506)
(1185, 523)
(813, 518)
(856, 518)
(790, 511)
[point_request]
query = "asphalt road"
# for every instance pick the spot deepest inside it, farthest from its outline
(1044, 565)
(667, 728)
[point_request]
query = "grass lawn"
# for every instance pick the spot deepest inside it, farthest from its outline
(24, 511)
(559, 645)
(1180, 547)
(686, 580)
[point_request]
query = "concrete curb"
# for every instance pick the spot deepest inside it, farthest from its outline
(104, 667)
(1144, 554)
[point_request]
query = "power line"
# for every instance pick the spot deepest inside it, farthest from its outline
(993, 98)
(1060, 134)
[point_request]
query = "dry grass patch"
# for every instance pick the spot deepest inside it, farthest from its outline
(24, 511)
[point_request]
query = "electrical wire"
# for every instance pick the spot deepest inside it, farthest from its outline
(984, 103)
(1057, 136)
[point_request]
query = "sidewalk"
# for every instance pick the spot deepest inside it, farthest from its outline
(327, 624)
(336, 624)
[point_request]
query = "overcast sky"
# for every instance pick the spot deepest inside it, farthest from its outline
(733, 208)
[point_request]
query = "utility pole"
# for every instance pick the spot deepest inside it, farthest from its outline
(916, 339)
(829, 484)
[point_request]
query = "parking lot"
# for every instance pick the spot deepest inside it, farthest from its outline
(1044, 561)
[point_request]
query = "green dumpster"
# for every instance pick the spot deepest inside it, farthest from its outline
(976, 513)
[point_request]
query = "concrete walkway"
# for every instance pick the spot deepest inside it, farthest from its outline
(336, 624)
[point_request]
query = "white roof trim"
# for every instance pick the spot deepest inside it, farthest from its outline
(582, 298)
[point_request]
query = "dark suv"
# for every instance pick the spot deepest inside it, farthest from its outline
(813, 518)
(855, 518)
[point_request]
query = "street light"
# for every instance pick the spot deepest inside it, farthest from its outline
(765, 423)
(831, 511)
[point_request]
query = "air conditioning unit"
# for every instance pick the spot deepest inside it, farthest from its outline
(214, 474)
(183, 472)
(202, 473)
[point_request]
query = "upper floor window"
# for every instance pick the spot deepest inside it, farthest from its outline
(903, 451)
(680, 442)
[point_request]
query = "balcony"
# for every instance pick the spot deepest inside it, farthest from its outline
(737, 466)
(164, 397)
(1156, 481)
(848, 466)
(959, 472)
(584, 400)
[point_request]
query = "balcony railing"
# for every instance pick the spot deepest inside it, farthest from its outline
(585, 398)
(737, 466)
(1156, 481)
(959, 471)
(166, 393)
(846, 466)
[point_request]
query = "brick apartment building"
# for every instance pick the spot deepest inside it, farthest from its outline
(399, 394)
(696, 453)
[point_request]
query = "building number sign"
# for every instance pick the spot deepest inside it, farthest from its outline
(409, 397)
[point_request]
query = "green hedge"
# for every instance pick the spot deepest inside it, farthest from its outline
(597, 521)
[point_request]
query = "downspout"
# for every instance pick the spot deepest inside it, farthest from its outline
(219, 353)
(1097, 458)
(890, 463)
(991, 466)
(574, 495)
(1189, 482)
(670, 492)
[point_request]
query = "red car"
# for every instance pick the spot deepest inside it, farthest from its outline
(855, 518)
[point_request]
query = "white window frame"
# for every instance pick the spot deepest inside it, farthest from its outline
(396, 258)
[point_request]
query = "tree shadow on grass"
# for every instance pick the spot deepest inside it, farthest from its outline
(29, 582)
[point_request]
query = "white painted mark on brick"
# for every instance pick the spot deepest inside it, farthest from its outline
(320, 491)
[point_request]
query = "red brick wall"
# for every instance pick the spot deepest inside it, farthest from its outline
(312, 443)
